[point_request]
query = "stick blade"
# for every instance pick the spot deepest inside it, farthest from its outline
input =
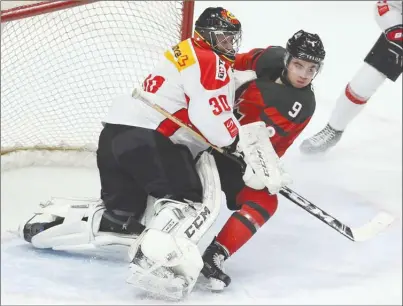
(136, 93)
(379, 223)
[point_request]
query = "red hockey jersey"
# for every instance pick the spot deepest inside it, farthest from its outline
(271, 98)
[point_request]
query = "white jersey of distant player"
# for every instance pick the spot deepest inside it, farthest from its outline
(388, 14)
(193, 84)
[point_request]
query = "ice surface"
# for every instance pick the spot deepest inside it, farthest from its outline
(294, 258)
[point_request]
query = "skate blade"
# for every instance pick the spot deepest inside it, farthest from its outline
(216, 285)
(172, 289)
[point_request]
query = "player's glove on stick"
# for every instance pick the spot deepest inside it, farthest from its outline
(260, 157)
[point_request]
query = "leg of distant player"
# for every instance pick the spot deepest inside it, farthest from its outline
(379, 64)
(383, 61)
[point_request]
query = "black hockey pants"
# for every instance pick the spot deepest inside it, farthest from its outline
(134, 162)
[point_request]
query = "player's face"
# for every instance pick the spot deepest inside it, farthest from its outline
(227, 42)
(300, 73)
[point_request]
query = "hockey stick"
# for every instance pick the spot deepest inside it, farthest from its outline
(370, 229)
(365, 232)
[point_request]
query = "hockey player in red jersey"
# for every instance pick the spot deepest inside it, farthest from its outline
(281, 98)
(384, 61)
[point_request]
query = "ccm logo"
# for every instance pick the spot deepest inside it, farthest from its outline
(198, 222)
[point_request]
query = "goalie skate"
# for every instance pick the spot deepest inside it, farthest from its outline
(321, 142)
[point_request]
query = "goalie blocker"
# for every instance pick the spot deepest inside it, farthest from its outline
(164, 258)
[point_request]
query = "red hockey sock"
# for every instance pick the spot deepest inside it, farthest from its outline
(257, 207)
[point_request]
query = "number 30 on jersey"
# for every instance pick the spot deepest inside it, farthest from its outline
(219, 104)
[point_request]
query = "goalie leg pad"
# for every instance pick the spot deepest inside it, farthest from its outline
(167, 253)
(187, 219)
(76, 226)
(164, 265)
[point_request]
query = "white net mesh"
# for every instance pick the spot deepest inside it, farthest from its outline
(60, 70)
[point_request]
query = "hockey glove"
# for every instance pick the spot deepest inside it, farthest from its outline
(260, 157)
(395, 37)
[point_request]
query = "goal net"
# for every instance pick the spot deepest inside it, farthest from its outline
(62, 62)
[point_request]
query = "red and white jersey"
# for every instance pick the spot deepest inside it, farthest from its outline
(388, 13)
(195, 85)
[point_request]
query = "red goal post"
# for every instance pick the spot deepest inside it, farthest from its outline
(63, 61)
(43, 7)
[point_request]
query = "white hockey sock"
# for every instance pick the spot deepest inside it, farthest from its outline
(353, 99)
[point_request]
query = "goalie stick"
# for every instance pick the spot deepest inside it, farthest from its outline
(370, 229)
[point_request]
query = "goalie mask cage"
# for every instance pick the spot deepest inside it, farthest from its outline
(62, 62)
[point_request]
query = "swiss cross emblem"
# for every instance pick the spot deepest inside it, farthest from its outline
(182, 60)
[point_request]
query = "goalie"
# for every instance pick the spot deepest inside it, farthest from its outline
(143, 156)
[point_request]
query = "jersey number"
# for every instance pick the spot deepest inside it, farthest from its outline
(152, 84)
(296, 108)
(219, 104)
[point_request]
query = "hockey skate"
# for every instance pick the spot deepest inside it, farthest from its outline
(213, 268)
(327, 138)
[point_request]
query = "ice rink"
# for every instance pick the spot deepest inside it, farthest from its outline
(294, 258)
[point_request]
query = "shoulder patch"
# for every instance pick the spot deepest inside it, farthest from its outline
(181, 55)
(221, 70)
(214, 72)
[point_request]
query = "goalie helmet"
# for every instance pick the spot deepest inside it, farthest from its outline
(220, 30)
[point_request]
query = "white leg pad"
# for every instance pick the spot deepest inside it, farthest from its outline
(166, 260)
(74, 233)
(191, 220)
(164, 264)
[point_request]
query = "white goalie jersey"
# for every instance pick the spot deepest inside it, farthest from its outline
(193, 84)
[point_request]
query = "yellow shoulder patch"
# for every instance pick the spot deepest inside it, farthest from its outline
(182, 56)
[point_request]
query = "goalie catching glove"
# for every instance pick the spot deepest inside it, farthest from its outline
(264, 168)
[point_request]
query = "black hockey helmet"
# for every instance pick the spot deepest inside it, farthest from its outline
(221, 30)
(306, 46)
